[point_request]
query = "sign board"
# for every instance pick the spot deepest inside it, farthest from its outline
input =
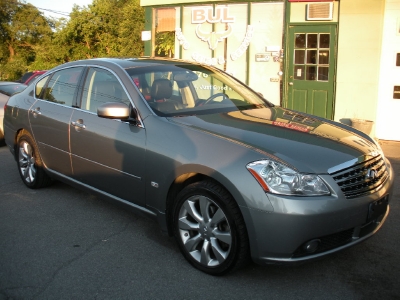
(262, 57)
(146, 35)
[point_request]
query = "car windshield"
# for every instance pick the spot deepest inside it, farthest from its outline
(11, 89)
(185, 89)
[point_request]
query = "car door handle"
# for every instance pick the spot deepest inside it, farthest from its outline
(36, 111)
(78, 124)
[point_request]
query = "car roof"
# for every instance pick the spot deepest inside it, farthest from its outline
(127, 63)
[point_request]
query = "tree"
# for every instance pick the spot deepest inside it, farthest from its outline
(106, 28)
(130, 29)
(165, 43)
(30, 41)
(22, 28)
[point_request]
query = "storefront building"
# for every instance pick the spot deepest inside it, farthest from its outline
(335, 59)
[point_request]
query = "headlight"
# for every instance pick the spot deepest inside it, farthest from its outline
(277, 178)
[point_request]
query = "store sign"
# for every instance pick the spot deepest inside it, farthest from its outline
(213, 38)
(146, 35)
(218, 14)
(205, 14)
(262, 57)
(245, 43)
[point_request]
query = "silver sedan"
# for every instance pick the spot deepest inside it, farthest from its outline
(227, 173)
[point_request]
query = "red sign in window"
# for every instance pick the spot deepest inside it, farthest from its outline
(292, 126)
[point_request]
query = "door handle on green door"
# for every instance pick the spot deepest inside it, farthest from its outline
(290, 83)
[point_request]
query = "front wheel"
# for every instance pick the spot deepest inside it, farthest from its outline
(210, 229)
(30, 165)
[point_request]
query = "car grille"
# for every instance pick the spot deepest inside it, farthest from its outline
(363, 178)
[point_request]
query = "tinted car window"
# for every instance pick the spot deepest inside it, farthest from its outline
(101, 86)
(39, 86)
(62, 86)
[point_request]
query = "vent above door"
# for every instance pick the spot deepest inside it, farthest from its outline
(320, 11)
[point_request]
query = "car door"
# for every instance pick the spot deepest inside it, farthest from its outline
(50, 116)
(107, 154)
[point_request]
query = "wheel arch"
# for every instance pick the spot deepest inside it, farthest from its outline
(30, 164)
(212, 191)
(18, 133)
(186, 179)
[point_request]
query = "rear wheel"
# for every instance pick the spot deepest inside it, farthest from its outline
(30, 165)
(210, 229)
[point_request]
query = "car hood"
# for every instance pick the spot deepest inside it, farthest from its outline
(307, 143)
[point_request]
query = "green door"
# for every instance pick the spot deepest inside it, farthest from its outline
(311, 70)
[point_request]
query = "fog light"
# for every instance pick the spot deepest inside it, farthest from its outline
(311, 246)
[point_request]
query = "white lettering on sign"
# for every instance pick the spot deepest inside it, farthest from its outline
(219, 14)
(213, 87)
(206, 14)
(244, 45)
(208, 60)
(181, 38)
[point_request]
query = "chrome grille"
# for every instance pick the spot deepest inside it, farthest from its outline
(362, 178)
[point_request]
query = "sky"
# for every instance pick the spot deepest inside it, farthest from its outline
(64, 6)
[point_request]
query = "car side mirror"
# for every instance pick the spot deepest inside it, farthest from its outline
(114, 110)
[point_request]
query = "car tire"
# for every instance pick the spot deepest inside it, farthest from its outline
(210, 229)
(30, 165)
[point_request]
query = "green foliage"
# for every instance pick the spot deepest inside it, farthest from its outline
(13, 69)
(30, 41)
(165, 42)
(22, 29)
(130, 29)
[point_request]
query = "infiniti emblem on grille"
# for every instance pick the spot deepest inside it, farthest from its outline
(371, 174)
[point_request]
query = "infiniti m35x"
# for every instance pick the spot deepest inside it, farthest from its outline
(227, 173)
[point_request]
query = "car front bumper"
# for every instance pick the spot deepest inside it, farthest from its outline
(300, 229)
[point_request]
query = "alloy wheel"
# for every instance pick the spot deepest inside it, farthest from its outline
(204, 231)
(26, 161)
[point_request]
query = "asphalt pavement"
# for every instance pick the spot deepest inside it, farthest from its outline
(62, 243)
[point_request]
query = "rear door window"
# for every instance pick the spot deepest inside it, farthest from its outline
(61, 87)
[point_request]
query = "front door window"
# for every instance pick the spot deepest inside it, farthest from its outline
(101, 87)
